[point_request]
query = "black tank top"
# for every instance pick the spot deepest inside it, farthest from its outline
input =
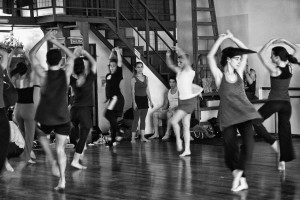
(25, 95)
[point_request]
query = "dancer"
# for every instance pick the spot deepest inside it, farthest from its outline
(113, 93)
(188, 93)
(52, 112)
(167, 110)
(4, 125)
(280, 69)
(81, 82)
(140, 98)
(235, 112)
(26, 83)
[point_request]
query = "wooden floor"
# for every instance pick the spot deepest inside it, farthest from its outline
(154, 171)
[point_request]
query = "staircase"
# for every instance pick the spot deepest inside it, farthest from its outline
(205, 33)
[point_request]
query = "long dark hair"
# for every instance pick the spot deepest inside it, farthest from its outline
(284, 55)
(134, 71)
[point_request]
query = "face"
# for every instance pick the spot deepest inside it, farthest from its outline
(234, 62)
(181, 62)
(139, 68)
(113, 67)
(172, 83)
(274, 58)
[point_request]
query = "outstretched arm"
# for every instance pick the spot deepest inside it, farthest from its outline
(264, 58)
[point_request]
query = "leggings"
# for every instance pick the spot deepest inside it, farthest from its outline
(139, 114)
(24, 115)
(284, 110)
(82, 120)
(236, 157)
(4, 137)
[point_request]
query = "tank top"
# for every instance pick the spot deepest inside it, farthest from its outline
(280, 85)
(53, 106)
(1, 88)
(140, 87)
(113, 83)
(173, 99)
(234, 106)
(184, 84)
(25, 95)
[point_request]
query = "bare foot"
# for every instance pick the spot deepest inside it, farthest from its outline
(185, 153)
(179, 145)
(8, 167)
(166, 137)
(155, 136)
(54, 169)
(78, 165)
(237, 174)
(144, 140)
(61, 186)
(242, 186)
(32, 155)
(30, 161)
(133, 141)
(281, 166)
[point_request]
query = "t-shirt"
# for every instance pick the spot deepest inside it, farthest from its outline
(112, 83)
(83, 95)
(184, 84)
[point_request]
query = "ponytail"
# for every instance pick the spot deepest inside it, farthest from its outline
(292, 59)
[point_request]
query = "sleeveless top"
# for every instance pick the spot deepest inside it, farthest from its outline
(112, 87)
(83, 95)
(184, 84)
(234, 106)
(173, 99)
(53, 107)
(140, 87)
(280, 85)
(1, 88)
(25, 95)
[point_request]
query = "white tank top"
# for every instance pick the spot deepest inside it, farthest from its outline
(173, 99)
(184, 84)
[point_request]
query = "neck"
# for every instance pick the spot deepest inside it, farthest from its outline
(228, 69)
(283, 63)
(54, 67)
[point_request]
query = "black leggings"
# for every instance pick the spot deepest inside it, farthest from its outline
(284, 110)
(4, 136)
(112, 116)
(236, 157)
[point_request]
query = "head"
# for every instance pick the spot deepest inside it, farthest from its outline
(53, 57)
(233, 56)
(183, 60)
(139, 66)
(113, 64)
(172, 82)
(21, 69)
(280, 54)
(78, 66)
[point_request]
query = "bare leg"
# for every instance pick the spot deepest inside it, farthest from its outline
(45, 145)
(133, 137)
(75, 163)
(155, 124)
(186, 135)
(143, 139)
(60, 143)
(175, 124)
(167, 134)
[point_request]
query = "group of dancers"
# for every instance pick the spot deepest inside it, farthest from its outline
(42, 105)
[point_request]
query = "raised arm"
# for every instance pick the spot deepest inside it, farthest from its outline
(216, 72)
(265, 58)
(91, 60)
(4, 59)
(120, 62)
(170, 62)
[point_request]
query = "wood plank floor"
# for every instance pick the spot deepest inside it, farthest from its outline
(154, 171)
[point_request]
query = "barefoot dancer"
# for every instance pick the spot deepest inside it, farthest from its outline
(81, 82)
(52, 112)
(188, 93)
(235, 111)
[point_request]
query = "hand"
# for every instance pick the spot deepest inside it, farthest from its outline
(51, 35)
(134, 106)
(77, 51)
(229, 34)
(151, 104)
(168, 54)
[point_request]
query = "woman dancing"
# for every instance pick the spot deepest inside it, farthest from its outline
(81, 112)
(280, 69)
(26, 83)
(140, 97)
(235, 111)
(188, 93)
(113, 93)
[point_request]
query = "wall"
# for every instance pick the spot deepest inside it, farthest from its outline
(255, 22)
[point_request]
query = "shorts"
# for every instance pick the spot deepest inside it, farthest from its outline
(61, 129)
(187, 105)
(141, 102)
